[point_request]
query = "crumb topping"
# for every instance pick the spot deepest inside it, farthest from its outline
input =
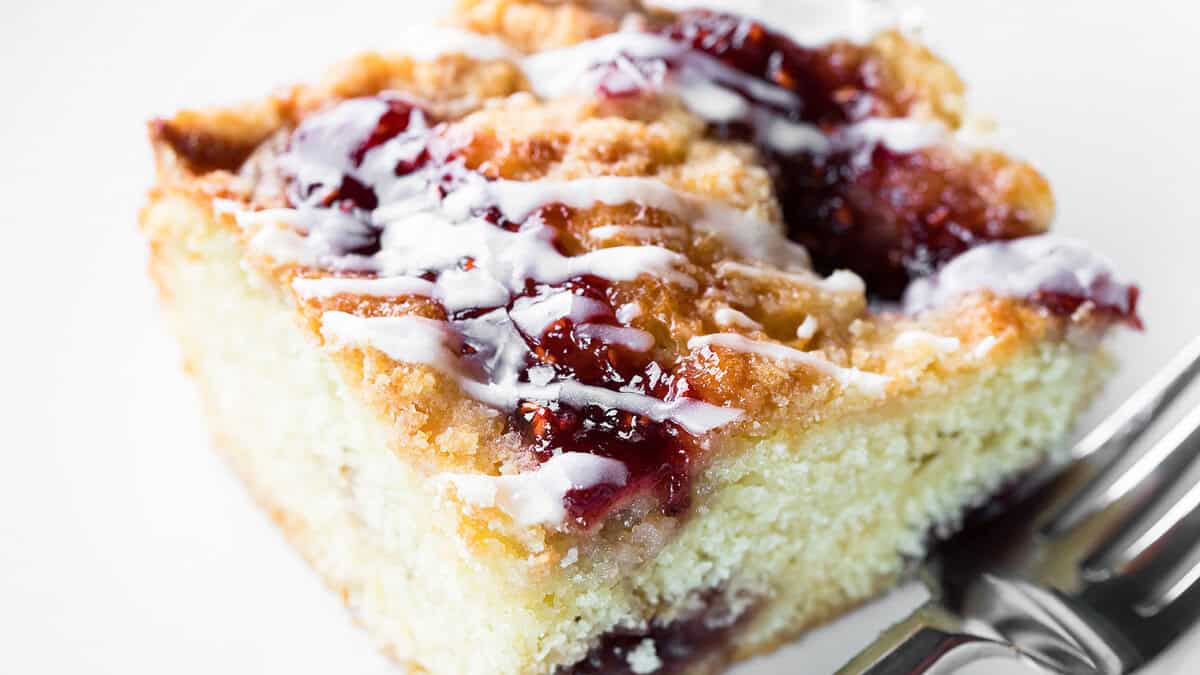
(632, 241)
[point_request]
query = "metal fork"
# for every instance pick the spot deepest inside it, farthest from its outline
(1092, 571)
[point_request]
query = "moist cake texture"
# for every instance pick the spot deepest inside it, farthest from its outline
(591, 338)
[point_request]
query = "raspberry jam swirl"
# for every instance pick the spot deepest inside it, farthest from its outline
(890, 215)
(863, 186)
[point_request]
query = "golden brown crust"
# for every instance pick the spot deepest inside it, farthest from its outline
(219, 138)
(917, 82)
(538, 26)
(451, 85)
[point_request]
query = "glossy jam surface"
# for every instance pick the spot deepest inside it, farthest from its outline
(891, 217)
(887, 216)
(833, 83)
(656, 454)
(1067, 304)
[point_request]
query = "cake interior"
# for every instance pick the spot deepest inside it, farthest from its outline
(784, 532)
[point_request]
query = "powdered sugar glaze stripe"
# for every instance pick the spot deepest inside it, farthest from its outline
(411, 339)
(428, 220)
(707, 87)
(713, 91)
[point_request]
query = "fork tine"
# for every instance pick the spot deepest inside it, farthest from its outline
(1161, 471)
(1105, 444)
(1172, 586)
(1171, 614)
(927, 641)
(1156, 597)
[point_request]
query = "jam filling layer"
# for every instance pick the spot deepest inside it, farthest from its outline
(665, 647)
(380, 197)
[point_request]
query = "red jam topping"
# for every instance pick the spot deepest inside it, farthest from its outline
(1067, 304)
(656, 454)
(678, 645)
(888, 216)
(833, 83)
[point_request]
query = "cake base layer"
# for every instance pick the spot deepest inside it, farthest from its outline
(787, 530)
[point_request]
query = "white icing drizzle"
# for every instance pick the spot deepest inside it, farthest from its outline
(557, 72)
(421, 231)
(694, 416)
(713, 91)
(322, 148)
(635, 59)
(1019, 269)
(746, 235)
(634, 340)
(628, 312)
(791, 138)
(705, 85)
(428, 43)
(223, 207)
(283, 244)
(534, 315)
(728, 317)
(410, 339)
(844, 281)
(416, 340)
(869, 383)
(609, 232)
(536, 497)
(752, 238)
(429, 220)
(924, 340)
(814, 23)
(712, 101)
(899, 134)
(984, 347)
(807, 328)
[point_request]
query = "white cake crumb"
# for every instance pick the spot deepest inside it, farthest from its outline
(643, 659)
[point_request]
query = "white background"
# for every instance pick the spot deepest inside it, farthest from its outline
(125, 544)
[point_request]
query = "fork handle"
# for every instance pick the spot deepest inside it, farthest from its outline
(927, 642)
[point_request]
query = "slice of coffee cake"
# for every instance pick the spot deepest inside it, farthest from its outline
(598, 340)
